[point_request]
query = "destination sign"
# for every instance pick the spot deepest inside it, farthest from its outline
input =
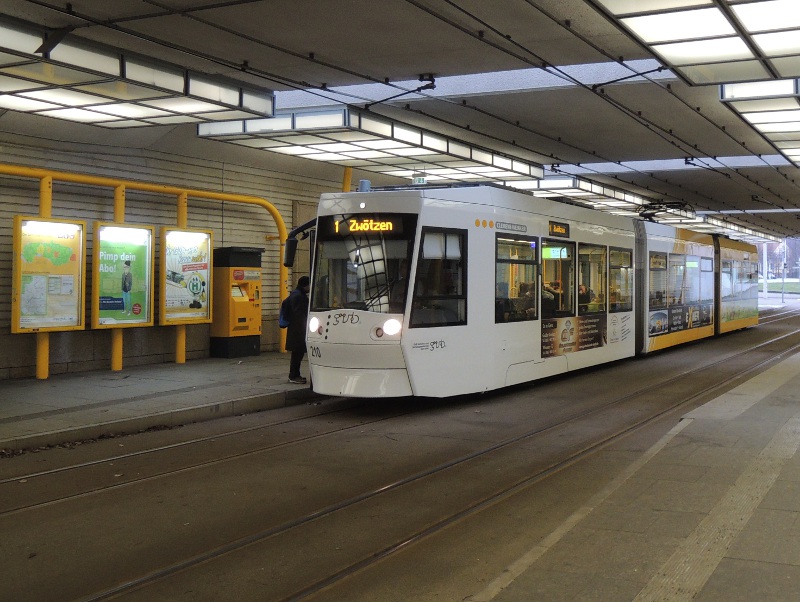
(559, 229)
(366, 225)
(391, 225)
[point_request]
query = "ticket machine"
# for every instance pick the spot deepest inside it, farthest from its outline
(236, 329)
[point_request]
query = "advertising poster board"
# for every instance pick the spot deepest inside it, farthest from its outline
(49, 266)
(122, 276)
(186, 274)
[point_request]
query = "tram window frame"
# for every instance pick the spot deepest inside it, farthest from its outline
(437, 262)
(676, 279)
(657, 280)
(597, 305)
(692, 280)
(524, 305)
(562, 288)
(706, 280)
(361, 270)
(752, 280)
(620, 298)
(727, 271)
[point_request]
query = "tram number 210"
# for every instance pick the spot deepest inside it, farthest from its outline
(315, 351)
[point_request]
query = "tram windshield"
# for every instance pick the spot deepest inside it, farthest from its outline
(362, 262)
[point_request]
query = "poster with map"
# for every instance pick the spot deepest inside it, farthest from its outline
(185, 276)
(49, 266)
(122, 276)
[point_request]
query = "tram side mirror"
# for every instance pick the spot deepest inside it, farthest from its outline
(289, 252)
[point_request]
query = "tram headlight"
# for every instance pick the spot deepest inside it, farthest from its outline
(313, 324)
(392, 326)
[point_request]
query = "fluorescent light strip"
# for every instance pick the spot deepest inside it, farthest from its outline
(89, 83)
(619, 202)
(356, 138)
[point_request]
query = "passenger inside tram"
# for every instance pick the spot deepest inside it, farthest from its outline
(585, 296)
(550, 296)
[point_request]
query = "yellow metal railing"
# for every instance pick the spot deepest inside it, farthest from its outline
(46, 178)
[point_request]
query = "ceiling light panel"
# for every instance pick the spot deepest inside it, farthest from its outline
(716, 41)
(680, 25)
(778, 43)
(787, 66)
(374, 143)
(83, 82)
(775, 115)
(768, 15)
(720, 50)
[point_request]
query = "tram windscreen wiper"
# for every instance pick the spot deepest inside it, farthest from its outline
(377, 296)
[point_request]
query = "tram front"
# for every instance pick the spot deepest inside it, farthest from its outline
(362, 263)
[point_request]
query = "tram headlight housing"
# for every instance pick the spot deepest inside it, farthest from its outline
(314, 325)
(392, 326)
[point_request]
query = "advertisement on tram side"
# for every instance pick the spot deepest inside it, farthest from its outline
(568, 335)
(676, 319)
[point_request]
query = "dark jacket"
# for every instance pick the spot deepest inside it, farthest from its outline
(296, 332)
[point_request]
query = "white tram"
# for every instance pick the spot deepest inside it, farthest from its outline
(446, 291)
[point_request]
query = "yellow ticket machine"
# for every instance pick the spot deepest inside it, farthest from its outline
(236, 328)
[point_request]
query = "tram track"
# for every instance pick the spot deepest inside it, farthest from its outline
(773, 317)
(217, 437)
(109, 461)
(474, 506)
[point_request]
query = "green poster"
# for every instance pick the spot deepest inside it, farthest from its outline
(123, 275)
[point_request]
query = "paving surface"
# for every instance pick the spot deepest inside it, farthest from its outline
(71, 407)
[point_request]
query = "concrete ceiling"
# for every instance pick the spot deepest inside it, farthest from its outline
(588, 127)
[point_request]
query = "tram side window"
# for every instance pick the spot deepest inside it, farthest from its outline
(516, 270)
(744, 276)
(691, 280)
(752, 280)
(658, 281)
(676, 280)
(706, 280)
(726, 286)
(620, 280)
(558, 277)
(440, 289)
(591, 279)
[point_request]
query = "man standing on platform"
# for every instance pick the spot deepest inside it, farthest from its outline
(296, 332)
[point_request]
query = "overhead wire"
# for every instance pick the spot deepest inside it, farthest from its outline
(667, 135)
(322, 89)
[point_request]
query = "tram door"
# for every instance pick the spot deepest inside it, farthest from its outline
(558, 278)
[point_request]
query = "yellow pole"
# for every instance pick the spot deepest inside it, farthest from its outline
(43, 338)
(119, 204)
(347, 179)
(117, 333)
(180, 329)
(46, 196)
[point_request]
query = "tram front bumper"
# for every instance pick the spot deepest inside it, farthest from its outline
(359, 370)
(355, 382)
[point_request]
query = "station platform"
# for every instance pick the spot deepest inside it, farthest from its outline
(709, 512)
(79, 406)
